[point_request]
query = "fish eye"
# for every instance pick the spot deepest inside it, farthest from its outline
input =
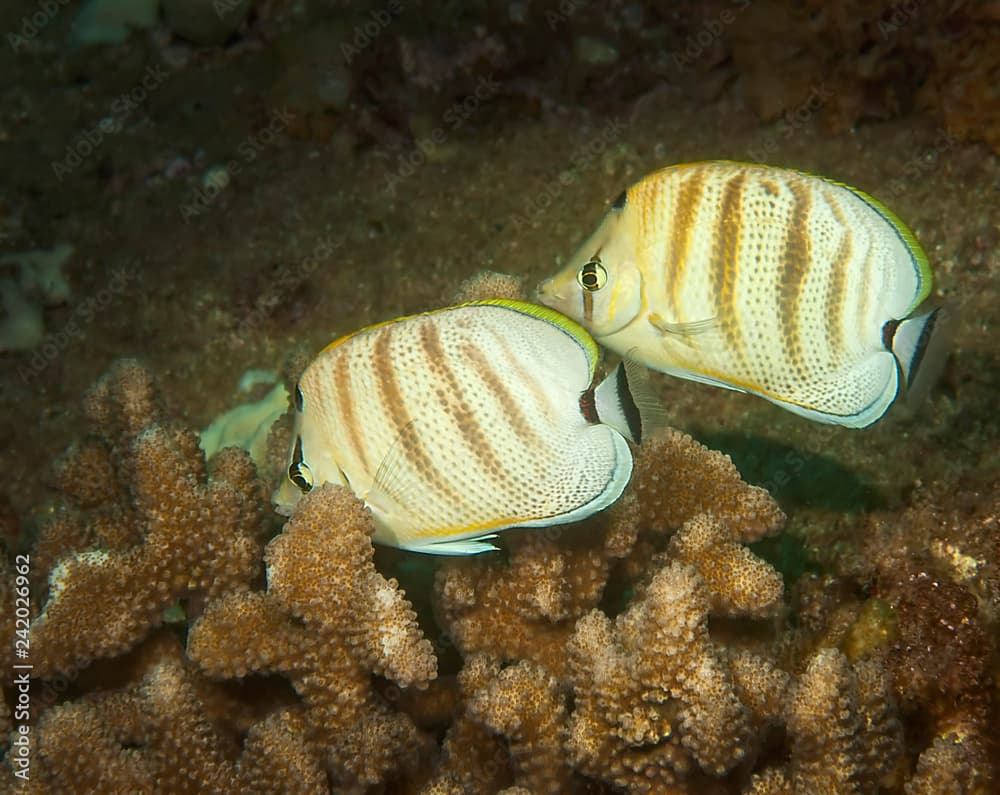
(592, 275)
(298, 471)
(301, 476)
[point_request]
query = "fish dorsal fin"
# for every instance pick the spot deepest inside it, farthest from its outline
(702, 333)
(626, 402)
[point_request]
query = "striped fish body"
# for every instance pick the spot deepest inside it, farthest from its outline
(759, 279)
(458, 423)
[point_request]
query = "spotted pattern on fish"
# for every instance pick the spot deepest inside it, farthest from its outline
(756, 278)
(727, 263)
(394, 408)
(457, 423)
(797, 260)
(683, 226)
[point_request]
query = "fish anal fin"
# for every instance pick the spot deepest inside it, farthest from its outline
(461, 546)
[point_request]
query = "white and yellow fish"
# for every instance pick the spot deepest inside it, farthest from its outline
(765, 280)
(454, 424)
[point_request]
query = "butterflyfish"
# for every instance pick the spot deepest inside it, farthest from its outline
(801, 290)
(455, 424)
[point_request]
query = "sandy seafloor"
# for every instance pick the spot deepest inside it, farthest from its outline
(512, 193)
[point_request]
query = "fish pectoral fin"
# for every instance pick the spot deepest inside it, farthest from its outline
(462, 546)
(392, 485)
(692, 332)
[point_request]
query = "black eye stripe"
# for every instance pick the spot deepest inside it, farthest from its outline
(298, 398)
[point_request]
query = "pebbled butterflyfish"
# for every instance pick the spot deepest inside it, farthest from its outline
(765, 280)
(455, 424)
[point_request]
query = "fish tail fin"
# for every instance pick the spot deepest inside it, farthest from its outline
(920, 345)
(626, 402)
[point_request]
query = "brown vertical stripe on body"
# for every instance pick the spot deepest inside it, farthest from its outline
(543, 405)
(868, 286)
(515, 417)
(340, 375)
(794, 268)
(454, 403)
(681, 228)
(833, 303)
(391, 399)
(725, 262)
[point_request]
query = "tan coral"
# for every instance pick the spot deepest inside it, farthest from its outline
(842, 727)
(525, 608)
(740, 583)
(474, 760)
(490, 284)
(955, 763)
(199, 540)
(675, 479)
(761, 686)
(151, 736)
(524, 704)
(327, 622)
(655, 702)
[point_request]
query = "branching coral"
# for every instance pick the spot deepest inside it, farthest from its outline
(676, 479)
(829, 722)
(144, 519)
(524, 704)
(739, 583)
(526, 608)
(198, 540)
(164, 733)
(327, 621)
(654, 697)
(626, 652)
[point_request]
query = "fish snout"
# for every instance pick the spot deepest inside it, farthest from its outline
(546, 293)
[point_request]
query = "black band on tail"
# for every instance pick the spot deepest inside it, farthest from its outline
(925, 338)
(629, 409)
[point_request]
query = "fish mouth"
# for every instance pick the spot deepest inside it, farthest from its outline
(544, 293)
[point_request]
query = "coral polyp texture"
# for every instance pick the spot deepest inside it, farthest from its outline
(183, 640)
